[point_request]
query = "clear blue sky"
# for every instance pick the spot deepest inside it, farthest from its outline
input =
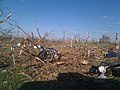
(73, 16)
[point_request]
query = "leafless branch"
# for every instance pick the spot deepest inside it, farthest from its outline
(26, 33)
(38, 31)
(46, 35)
(6, 18)
(1, 12)
(6, 33)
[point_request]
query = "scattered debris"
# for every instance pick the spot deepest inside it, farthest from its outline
(112, 55)
(49, 54)
(44, 62)
(106, 68)
(84, 62)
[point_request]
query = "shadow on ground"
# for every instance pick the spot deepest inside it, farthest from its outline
(72, 81)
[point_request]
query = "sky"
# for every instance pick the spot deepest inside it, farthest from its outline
(72, 16)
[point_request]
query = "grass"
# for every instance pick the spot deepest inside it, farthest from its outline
(10, 80)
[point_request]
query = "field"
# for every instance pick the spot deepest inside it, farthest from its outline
(70, 72)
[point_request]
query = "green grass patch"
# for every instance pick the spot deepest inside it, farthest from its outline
(10, 80)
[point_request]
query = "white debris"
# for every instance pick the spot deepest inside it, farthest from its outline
(102, 70)
(18, 44)
(37, 46)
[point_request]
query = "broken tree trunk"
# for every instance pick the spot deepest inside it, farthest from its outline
(71, 44)
(116, 42)
(87, 39)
